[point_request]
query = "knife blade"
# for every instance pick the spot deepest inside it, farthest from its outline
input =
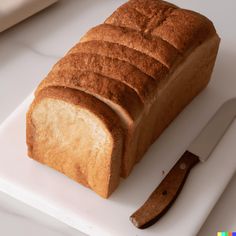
(199, 150)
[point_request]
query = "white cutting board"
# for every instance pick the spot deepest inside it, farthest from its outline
(79, 207)
(71, 203)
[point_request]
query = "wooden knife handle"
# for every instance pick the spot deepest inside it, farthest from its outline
(165, 194)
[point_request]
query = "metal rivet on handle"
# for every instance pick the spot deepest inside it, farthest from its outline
(182, 166)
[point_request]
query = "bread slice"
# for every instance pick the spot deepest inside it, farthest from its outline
(146, 64)
(117, 95)
(154, 47)
(65, 132)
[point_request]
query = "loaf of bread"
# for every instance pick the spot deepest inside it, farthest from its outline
(109, 98)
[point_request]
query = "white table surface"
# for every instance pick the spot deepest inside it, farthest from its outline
(27, 52)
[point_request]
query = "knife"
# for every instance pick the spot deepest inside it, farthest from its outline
(199, 151)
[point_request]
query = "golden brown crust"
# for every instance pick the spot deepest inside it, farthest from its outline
(185, 29)
(141, 16)
(103, 112)
(154, 47)
(118, 93)
(140, 60)
(181, 28)
(150, 8)
(126, 16)
(113, 68)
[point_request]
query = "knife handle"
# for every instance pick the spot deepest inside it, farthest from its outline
(165, 194)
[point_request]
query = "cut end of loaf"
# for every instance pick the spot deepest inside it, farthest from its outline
(74, 141)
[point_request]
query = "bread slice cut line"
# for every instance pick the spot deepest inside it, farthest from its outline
(154, 29)
(146, 64)
(144, 85)
(185, 38)
(149, 34)
(156, 47)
